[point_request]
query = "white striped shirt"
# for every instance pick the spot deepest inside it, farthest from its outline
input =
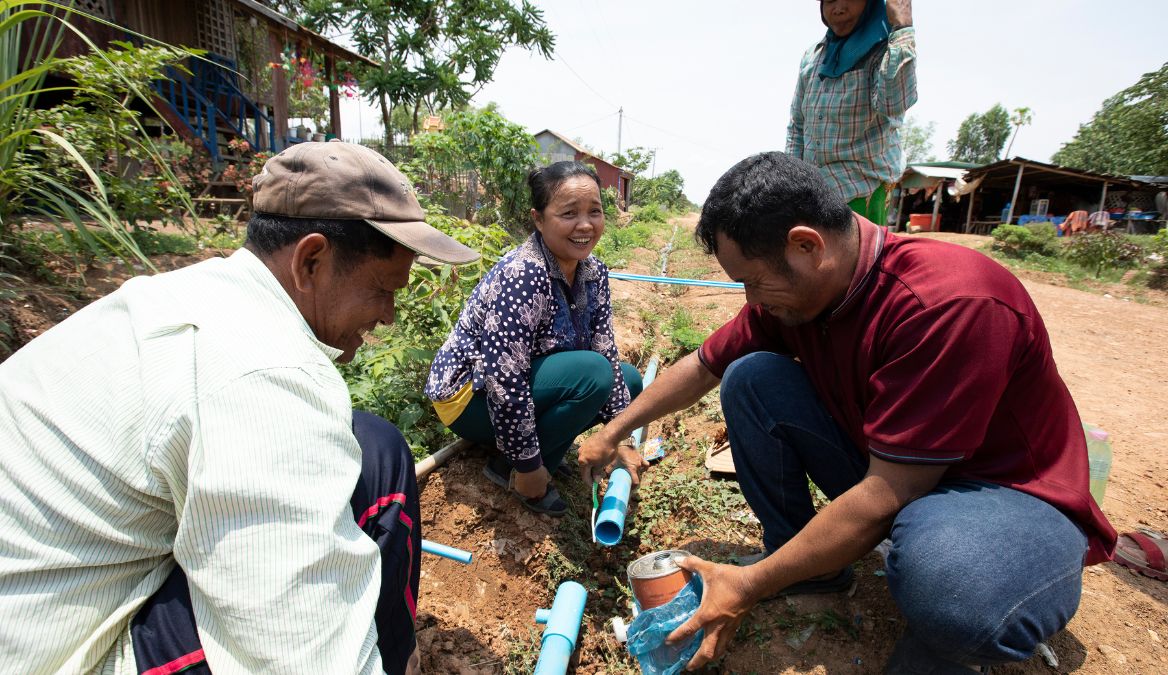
(191, 417)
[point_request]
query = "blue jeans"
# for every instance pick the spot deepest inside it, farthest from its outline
(981, 572)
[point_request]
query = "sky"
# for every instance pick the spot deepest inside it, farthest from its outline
(708, 83)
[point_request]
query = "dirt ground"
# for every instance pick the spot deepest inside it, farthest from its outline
(479, 618)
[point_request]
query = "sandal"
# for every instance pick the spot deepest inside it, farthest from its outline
(498, 470)
(1143, 551)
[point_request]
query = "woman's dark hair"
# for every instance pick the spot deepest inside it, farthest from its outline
(355, 240)
(546, 180)
(757, 202)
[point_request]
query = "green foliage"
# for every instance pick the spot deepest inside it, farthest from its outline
(667, 189)
(144, 180)
(684, 338)
(650, 213)
(917, 140)
(57, 164)
(634, 160)
(501, 152)
(6, 293)
(617, 242)
(1025, 241)
(387, 376)
(432, 52)
(1019, 118)
(611, 211)
(1128, 135)
(981, 136)
(1099, 251)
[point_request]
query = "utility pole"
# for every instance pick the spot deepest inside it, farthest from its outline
(620, 120)
(654, 175)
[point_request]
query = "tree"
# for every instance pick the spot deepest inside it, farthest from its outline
(634, 160)
(1020, 118)
(1128, 135)
(436, 53)
(981, 136)
(500, 152)
(917, 141)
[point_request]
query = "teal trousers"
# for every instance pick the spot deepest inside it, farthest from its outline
(569, 389)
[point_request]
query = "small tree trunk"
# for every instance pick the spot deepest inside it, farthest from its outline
(385, 121)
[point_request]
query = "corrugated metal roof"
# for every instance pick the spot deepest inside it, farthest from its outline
(581, 149)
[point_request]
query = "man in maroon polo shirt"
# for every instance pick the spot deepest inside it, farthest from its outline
(912, 381)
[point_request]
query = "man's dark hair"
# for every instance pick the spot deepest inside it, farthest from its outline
(355, 240)
(757, 202)
(546, 180)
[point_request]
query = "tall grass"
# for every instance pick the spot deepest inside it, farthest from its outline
(26, 187)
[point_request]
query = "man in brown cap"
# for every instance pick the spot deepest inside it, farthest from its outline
(186, 486)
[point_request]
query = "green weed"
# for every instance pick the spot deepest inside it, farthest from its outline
(684, 338)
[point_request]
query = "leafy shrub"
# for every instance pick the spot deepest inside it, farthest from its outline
(387, 376)
(500, 152)
(611, 212)
(614, 246)
(143, 180)
(684, 338)
(1099, 251)
(1024, 241)
(650, 213)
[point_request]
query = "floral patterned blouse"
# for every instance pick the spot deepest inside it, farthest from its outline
(521, 310)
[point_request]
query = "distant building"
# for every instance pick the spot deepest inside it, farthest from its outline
(557, 148)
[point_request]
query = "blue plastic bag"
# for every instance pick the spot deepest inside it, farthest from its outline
(648, 631)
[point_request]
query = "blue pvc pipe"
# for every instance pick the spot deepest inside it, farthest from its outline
(650, 375)
(610, 523)
(625, 276)
(456, 554)
(563, 627)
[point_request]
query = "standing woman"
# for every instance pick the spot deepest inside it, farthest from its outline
(853, 90)
(532, 361)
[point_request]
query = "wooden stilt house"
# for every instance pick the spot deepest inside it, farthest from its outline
(256, 59)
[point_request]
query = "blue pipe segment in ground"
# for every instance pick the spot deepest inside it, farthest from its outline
(563, 627)
(445, 551)
(610, 524)
(625, 276)
(650, 374)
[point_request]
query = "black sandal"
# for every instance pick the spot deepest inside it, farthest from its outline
(498, 471)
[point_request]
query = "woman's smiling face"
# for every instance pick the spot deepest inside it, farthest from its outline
(572, 222)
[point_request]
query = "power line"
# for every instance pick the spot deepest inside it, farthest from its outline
(560, 58)
(666, 131)
(588, 124)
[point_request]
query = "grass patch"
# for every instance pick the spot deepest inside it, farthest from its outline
(684, 337)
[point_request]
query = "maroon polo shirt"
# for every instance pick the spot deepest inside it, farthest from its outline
(937, 355)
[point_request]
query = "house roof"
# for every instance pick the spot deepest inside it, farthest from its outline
(277, 18)
(927, 175)
(581, 149)
(1003, 174)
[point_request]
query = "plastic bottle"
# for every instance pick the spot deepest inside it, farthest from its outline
(1099, 457)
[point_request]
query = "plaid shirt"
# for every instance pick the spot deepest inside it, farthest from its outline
(850, 126)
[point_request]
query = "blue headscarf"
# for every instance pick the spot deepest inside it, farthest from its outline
(842, 54)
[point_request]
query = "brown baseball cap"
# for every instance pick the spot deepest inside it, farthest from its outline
(346, 181)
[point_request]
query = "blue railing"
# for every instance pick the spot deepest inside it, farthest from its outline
(211, 98)
(217, 80)
(196, 111)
